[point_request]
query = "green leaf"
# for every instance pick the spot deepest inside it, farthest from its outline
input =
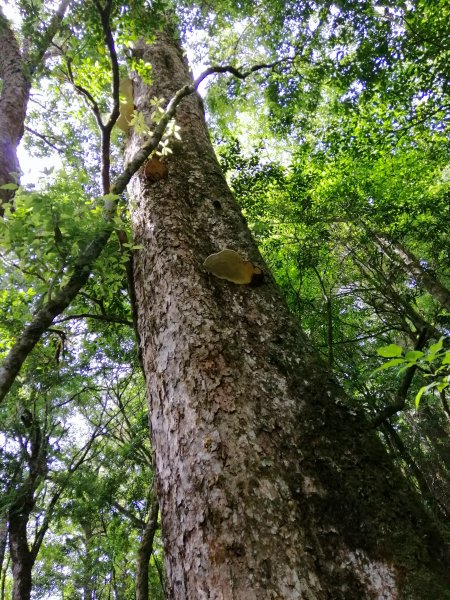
(390, 363)
(446, 358)
(434, 349)
(9, 186)
(442, 385)
(419, 396)
(421, 392)
(389, 351)
(413, 355)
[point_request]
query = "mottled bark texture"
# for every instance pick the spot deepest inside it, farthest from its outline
(270, 487)
(13, 106)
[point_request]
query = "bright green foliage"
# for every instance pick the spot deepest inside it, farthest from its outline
(40, 242)
(91, 538)
(434, 364)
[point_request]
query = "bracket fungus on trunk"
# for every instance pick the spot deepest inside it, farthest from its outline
(228, 264)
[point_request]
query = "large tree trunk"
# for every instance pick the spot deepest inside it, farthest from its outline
(15, 74)
(270, 486)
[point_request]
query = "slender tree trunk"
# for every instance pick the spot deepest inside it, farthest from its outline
(428, 493)
(389, 299)
(416, 270)
(328, 318)
(270, 486)
(434, 460)
(3, 574)
(22, 559)
(88, 577)
(3, 539)
(145, 552)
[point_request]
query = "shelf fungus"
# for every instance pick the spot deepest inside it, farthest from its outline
(228, 264)
(155, 170)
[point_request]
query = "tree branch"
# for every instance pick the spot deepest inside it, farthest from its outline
(47, 37)
(43, 138)
(44, 317)
(105, 318)
(56, 496)
(139, 523)
(412, 266)
(86, 94)
(238, 72)
(105, 14)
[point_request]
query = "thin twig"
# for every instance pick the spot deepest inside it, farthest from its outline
(43, 138)
(86, 94)
(105, 318)
(106, 129)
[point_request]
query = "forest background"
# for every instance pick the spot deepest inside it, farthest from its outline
(330, 121)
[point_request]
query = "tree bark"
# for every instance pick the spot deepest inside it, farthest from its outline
(270, 486)
(22, 559)
(13, 106)
(16, 72)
